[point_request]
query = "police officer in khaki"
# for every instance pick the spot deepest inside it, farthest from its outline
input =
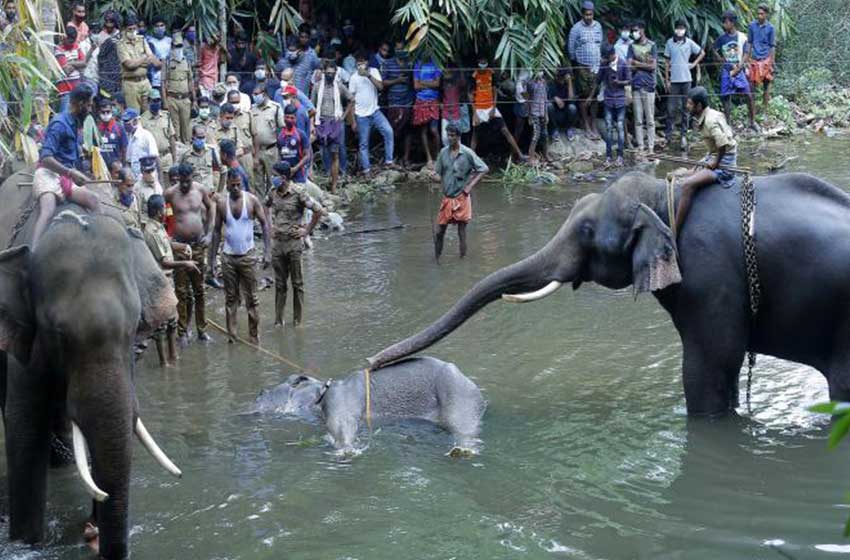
(268, 120)
(203, 159)
(244, 124)
(179, 93)
(158, 123)
(227, 129)
(135, 56)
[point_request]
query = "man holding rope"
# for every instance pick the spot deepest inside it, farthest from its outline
(722, 147)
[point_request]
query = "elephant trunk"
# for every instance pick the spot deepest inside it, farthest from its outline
(543, 271)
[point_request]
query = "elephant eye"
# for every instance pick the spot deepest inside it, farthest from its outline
(586, 231)
(301, 379)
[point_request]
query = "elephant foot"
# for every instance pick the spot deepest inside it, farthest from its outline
(91, 536)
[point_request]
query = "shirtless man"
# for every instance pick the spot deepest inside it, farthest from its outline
(238, 210)
(194, 213)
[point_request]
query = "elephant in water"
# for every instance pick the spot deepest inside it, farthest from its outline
(622, 237)
(69, 314)
(421, 388)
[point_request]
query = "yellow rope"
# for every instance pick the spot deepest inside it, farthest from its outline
(367, 375)
(263, 350)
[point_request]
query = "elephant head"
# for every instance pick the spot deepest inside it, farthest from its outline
(299, 395)
(614, 238)
(69, 315)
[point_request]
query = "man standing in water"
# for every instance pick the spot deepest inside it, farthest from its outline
(193, 217)
(287, 204)
(459, 169)
(238, 259)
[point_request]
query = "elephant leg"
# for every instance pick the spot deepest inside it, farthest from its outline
(711, 366)
(27, 450)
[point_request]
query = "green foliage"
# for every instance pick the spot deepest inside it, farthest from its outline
(840, 412)
(821, 39)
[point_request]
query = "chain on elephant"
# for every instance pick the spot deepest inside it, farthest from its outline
(748, 221)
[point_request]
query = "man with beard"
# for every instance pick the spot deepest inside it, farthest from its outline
(55, 179)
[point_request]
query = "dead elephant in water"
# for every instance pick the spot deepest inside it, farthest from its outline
(421, 388)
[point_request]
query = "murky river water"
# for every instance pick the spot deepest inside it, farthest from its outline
(587, 450)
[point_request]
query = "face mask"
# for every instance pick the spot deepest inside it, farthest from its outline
(259, 99)
(198, 144)
(636, 35)
(190, 36)
(624, 35)
(482, 65)
(680, 33)
(106, 117)
(204, 112)
(226, 124)
(155, 106)
(232, 87)
(329, 78)
(140, 32)
(613, 63)
(177, 55)
(292, 56)
(159, 32)
(260, 75)
(277, 182)
(126, 198)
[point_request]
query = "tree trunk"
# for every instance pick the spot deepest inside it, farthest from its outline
(222, 30)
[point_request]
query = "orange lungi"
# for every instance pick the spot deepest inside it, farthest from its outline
(455, 210)
(761, 71)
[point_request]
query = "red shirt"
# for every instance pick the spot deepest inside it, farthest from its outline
(65, 54)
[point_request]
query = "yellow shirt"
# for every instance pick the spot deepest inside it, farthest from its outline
(133, 47)
(716, 131)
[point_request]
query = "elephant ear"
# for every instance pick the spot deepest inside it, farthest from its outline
(17, 322)
(655, 264)
(156, 291)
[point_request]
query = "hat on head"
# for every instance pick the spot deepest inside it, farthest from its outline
(290, 90)
(154, 94)
(129, 115)
(336, 41)
(177, 39)
(587, 5)
(219, 90)
(147, 163)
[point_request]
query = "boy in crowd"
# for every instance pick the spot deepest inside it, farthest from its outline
(762, 39)
(677, 77)
(733, 49)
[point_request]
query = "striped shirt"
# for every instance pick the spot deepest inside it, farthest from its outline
(585, 43)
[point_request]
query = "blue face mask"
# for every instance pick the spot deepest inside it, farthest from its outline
(159, 32)
(198, 144)
(190, 36)
(125, 198)
(155, 107)
(277, 182)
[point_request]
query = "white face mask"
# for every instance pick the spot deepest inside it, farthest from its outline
(680, 33)
(177, 54)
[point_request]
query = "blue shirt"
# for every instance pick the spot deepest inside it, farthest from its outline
(292, 148)
(426, 72)
(302, 69)
(679, 54)
(615, 94)
(585, 43)
(730, 48)
(398, 95)
(762, 39)
(61, 140)
(643, 80)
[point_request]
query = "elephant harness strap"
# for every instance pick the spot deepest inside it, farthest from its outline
(748, 229)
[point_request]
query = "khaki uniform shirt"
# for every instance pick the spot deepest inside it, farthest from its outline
(133, 47)
(287, 213)
(132, 214)
(245, 124)
(716, 131)
(162, 129)
(268, 120)
(216, 134)
(179, 78)
(204, 164)
(159, 243)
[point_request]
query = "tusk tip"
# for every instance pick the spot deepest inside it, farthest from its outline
(101, 497)
(513, 298)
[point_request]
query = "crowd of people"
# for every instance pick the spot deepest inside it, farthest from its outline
(196, 156)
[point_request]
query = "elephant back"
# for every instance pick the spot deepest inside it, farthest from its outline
(19, 209)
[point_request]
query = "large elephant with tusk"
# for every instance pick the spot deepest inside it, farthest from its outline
(621, 237)
(69, 314)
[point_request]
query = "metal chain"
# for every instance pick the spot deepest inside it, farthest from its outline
(22, 221)
(748, 207)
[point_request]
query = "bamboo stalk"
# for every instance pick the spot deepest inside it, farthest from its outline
(697, 163)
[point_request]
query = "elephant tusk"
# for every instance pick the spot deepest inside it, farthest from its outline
(154, 449)
(83, 465)
(547, 290)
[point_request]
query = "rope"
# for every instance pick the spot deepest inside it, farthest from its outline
(367, 380)
(258, 348)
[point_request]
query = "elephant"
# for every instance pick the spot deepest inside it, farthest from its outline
(621, 237)
(422, 388)
(70, 311)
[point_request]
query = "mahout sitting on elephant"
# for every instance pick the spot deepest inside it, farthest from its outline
(69, 314)
(421, 388)
(621, 237)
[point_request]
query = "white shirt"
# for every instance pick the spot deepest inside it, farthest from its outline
(141, 144)
(244, 102)
(146, 190)
(365, 93)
